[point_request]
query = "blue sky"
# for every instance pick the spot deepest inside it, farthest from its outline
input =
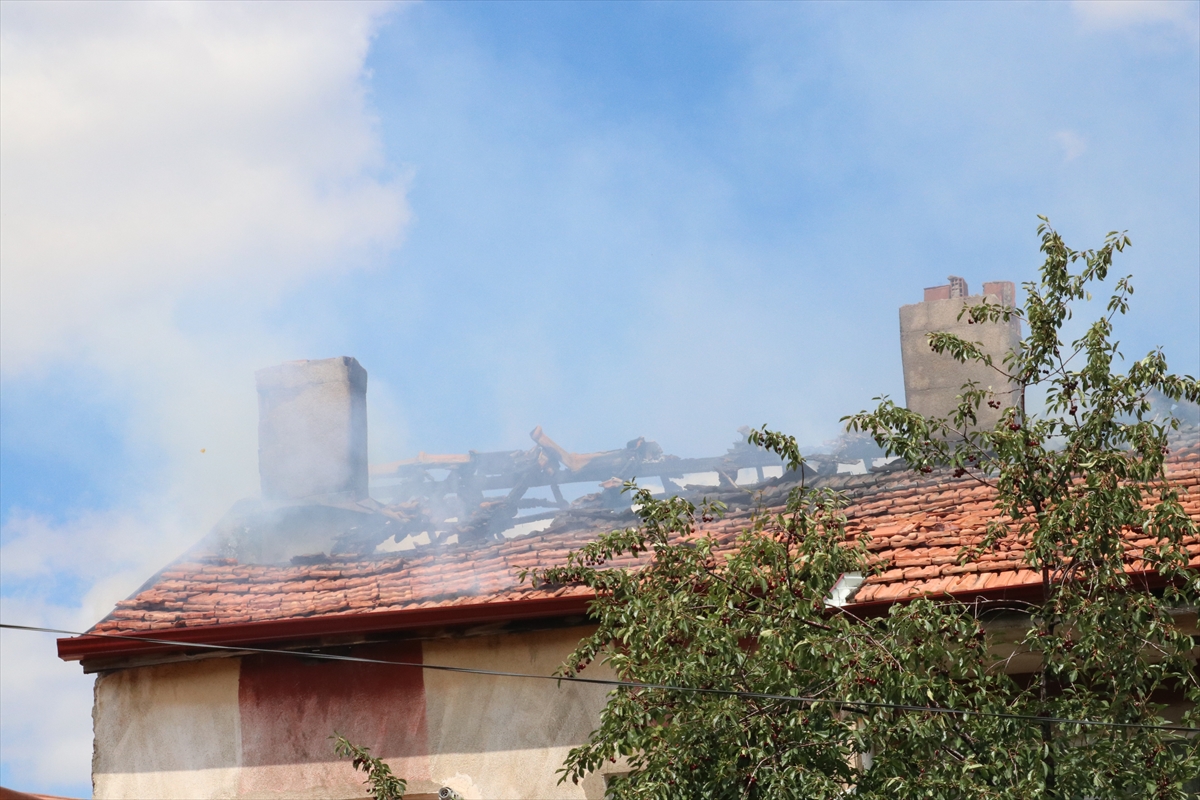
(611, 220)
(623, 204)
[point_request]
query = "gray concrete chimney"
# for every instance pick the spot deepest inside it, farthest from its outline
(312, 430)
(932, 382)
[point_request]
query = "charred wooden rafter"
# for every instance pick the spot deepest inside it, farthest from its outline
(466, 500)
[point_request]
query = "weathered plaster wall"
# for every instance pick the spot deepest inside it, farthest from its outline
(171, 731)
(507, 737)
(289, 707)
(259, 726)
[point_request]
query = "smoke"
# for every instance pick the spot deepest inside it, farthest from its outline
(170, 172)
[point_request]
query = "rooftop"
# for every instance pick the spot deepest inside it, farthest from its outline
(916, 523)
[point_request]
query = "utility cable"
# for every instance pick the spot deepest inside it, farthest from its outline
(810, 701)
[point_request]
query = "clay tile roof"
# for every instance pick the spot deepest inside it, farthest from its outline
(917, 526)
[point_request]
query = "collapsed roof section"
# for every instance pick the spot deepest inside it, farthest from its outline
(469, 499)
(481, 496)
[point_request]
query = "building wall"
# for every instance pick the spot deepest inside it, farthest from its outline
(289, 707)
(932, 381)
(171, 731)
(496, 737)
(259, 726)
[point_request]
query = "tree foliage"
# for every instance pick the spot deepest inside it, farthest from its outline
(383, 784)
(1073, 481)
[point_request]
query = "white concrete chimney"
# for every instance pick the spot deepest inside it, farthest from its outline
(312, 430)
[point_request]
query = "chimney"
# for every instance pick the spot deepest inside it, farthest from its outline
(312, 431)
(933, 382)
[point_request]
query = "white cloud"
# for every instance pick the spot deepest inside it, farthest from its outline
(46, 721)
(1114, 14)
(47, 726)
(168, 171)
(1073, 144)
(149, 149)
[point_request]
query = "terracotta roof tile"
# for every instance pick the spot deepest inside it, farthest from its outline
(916, 523)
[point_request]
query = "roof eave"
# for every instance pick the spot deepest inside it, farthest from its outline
(336, 628)
(301, 630)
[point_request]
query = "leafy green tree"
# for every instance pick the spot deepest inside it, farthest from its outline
(751, 622)
(383, 784)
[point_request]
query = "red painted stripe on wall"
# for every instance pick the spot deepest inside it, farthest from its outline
(290, 707)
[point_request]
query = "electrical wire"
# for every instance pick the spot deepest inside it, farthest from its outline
(841, 705)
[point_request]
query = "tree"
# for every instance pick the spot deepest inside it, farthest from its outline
(383, 784)
(750, 624)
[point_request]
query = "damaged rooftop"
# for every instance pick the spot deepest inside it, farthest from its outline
(321, 501)
(333, 538)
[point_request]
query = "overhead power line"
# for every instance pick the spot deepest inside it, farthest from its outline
(841, 705)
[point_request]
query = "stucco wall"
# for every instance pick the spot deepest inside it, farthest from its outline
(259, 726)
(506, 737)
(171, 731)
(290, 706)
